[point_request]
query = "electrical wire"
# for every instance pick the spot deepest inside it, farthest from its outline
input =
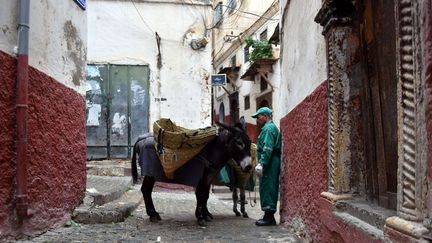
(142, 17)
(245, 12)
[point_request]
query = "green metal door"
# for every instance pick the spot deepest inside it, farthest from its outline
(117, 109)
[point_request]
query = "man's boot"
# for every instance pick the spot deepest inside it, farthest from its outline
(267, 220)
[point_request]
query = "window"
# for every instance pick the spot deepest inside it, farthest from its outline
(263, 35)
(234, 61)
(246, 54)
(247, 102)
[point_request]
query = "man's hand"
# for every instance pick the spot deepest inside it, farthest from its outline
(259, 170)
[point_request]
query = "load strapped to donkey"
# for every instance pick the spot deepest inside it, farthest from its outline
(176, 145)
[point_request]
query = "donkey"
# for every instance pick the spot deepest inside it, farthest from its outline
(231, 142)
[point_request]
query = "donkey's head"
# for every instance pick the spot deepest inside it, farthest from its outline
(238, 144)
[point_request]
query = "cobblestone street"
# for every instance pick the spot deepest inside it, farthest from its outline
(178, 224)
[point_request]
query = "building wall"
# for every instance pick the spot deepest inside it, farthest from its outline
(324, 218)
(304, 169)
(303, 110)
(119, 33)
(62, 55)
(303, 57)
(234, 23)
(226, 49)
(56, 169)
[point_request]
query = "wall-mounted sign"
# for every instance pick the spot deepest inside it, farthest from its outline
(81, 3)
(218, 79)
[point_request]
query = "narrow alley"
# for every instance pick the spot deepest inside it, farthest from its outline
(325, 105)
(176, 205)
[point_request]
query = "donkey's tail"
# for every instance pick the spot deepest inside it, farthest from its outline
(134, 163)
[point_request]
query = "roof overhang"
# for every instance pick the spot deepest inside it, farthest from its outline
(274, 39)
(231, 72)
(259, 66)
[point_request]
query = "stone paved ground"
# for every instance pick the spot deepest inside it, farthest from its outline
(178, 224)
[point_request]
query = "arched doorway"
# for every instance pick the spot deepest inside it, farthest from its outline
(222, 113)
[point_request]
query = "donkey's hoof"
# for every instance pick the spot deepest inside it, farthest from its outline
(208, 214)
(237, 213)
(155, 217)
(201, 222)
(208, 218)
(245, 215)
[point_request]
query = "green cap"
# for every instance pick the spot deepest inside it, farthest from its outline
(262, 110)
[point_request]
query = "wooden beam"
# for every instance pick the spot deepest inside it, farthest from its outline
(226, 90)
(267, 80)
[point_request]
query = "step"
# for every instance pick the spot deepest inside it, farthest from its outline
(373, 231)
(110, 212)
(367, 212)
(103, 189)
(109, 167)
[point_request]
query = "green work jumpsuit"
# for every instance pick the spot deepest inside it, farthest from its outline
(269, 155)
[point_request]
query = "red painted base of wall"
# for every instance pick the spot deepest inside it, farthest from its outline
(304, 169)
(338, 230)
(56, 151)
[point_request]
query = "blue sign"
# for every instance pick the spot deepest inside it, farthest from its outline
(81, 3)
(218, 79)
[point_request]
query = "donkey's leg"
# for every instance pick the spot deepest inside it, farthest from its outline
(243, 202)
(207, 215)
(235, 200)
(146, 189)
(199, 210)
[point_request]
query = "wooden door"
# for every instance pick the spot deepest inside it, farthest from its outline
(379, 45)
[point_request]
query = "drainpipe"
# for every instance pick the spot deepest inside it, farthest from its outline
(21, 109)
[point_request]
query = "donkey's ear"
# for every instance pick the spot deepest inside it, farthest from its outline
(243, 123)
(223, 126)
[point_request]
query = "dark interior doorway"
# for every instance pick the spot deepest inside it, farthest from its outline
(234, 108)
(263, 101)
(380, 96)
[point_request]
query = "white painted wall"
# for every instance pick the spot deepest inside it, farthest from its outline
(303, 58)
(123, 33)
(58, 38)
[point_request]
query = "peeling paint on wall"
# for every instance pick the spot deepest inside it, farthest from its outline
(118, 124)
(74, 44)
(93, 72)
(138, 93)
(94, 113)
(93, 109)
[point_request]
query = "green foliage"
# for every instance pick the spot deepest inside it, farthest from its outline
(260, 49)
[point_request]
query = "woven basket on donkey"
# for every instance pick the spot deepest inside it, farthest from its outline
(177, 145)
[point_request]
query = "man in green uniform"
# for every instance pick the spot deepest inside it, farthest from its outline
(268, 167)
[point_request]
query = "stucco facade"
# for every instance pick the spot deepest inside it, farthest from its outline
(55, 172)
(366, 141)
(177, 51)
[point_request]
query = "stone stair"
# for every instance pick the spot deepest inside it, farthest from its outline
(110, 196)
